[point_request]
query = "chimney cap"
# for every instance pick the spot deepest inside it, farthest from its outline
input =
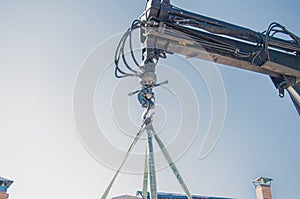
(262, 181)
(5, 182)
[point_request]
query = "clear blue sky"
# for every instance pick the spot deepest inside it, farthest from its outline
(42, 47)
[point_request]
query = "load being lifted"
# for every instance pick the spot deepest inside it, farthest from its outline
(167, 29)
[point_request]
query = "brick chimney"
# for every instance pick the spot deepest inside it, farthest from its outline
(263, 188)
(4, 185)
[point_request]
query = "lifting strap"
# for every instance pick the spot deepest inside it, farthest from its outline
(171, 164)
(145, 180)
(152, 174)
(138, 135)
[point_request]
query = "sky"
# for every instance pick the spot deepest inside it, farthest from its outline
(55, 53)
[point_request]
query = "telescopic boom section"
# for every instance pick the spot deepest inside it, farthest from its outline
(169, 29)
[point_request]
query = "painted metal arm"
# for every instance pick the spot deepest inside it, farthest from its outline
(167, 29)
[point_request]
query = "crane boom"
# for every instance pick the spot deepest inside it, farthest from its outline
(167, 29)
(174, 30)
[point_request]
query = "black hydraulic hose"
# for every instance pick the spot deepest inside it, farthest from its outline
(133, 27)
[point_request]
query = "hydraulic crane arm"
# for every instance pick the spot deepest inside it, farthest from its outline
(241, 47)
(193, 35)
(167, 29)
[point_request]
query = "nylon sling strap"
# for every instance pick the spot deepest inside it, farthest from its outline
(138, 135)
(145, 180)
(152, 174)
(172, 165)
